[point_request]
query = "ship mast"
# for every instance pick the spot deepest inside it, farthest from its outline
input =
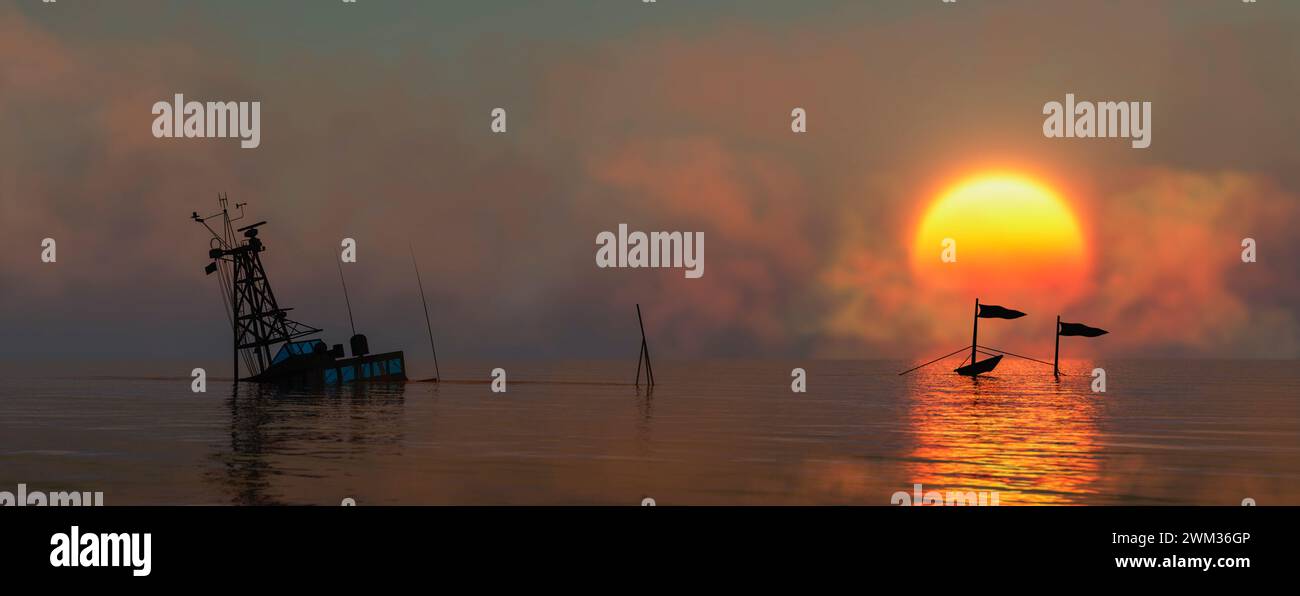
(256, 319)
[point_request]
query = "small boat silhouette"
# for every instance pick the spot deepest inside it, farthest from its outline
(980, 367)
(986, 311)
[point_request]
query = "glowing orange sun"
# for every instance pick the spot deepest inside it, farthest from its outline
(1008, 234)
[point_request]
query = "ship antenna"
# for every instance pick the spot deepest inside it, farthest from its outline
(345, 296)
(437, 374)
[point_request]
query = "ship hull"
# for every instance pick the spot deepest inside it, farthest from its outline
(980, 367)
(325, 371)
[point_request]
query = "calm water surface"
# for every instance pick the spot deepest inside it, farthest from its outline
(1165, 432)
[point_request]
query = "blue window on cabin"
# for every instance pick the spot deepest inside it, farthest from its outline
(297, 349)
(395, 366)
(349, 374)
(331, 376)
(380, 369)
(365, 370)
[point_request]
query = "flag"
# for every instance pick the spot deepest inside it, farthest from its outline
(988, 311)
(1080, 329)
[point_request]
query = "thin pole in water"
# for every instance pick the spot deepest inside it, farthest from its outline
(345, 296)
(645, 354)
(1056, 360)
(437, 373)
(234, 316)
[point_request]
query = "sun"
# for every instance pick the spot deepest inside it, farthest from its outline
(1010, 234)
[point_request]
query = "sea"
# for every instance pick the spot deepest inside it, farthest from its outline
(1164, 432)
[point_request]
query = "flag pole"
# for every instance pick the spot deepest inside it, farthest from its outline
(1056, 367)
(975, 329)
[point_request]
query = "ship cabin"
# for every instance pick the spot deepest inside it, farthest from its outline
(311, 362)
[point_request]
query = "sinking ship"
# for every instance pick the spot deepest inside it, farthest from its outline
(271, 347)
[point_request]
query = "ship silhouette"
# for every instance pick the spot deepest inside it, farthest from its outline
(272, 347)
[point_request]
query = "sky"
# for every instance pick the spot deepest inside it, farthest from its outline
(666, 116)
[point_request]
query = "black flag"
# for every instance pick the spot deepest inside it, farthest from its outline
(988, 311)
(1068, 329)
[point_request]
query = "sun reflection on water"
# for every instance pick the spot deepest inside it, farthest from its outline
(1017, 431)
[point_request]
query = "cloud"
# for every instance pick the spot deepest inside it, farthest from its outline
(1172, 277)
(1169, 278)
(806, 235)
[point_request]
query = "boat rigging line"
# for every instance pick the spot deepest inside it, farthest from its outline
(1016, 355)
(964, 348)
(948, 355)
